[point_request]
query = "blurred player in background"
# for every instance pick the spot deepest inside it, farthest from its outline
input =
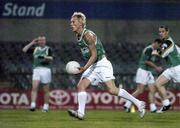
(144, 75)
(171, 52)
(42, 58)
(97, 69)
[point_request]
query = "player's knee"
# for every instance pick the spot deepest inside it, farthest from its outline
(46, 90)
(141, 91)
(112, 91)
(157, 85)
(152, 91)
(83, 84)
(81, 88)
(34, 89)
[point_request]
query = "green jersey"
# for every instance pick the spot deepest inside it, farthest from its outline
(38, 57)
(146, 55)
(85, 50)
(171, 52)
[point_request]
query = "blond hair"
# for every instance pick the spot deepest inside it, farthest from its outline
(81, 17)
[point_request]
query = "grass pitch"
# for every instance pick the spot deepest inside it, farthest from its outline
(94, 119)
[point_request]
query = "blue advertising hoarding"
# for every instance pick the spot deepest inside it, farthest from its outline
(93, 10)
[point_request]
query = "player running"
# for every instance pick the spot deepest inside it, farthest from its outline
(171, 52)
(42, 58)
(144, 75)
(97, 69)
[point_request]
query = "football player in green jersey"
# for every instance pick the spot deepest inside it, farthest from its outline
(42, 58)
(171, 52)
(97, 69)
(144, 74)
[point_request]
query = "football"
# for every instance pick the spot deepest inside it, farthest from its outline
(72, 67)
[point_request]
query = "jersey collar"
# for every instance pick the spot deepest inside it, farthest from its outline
(81, 35)
(40, 48)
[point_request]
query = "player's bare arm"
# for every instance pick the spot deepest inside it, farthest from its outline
(33, 42)
(90, 38)
(46, 58)
(151, 64)
(49, 58)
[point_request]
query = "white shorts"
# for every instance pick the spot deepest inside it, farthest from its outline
(42, 74)
(99, 72)
(144, 77)
(173, 73)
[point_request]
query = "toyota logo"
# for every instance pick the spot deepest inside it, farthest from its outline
(170, 96)
(59, 97)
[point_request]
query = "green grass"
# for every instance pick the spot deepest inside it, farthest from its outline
(94, 119)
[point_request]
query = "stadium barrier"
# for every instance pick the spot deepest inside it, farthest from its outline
(63, 99)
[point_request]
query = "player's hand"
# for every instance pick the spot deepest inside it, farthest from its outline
(34, 41)
(81, 69)
(159, 69)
